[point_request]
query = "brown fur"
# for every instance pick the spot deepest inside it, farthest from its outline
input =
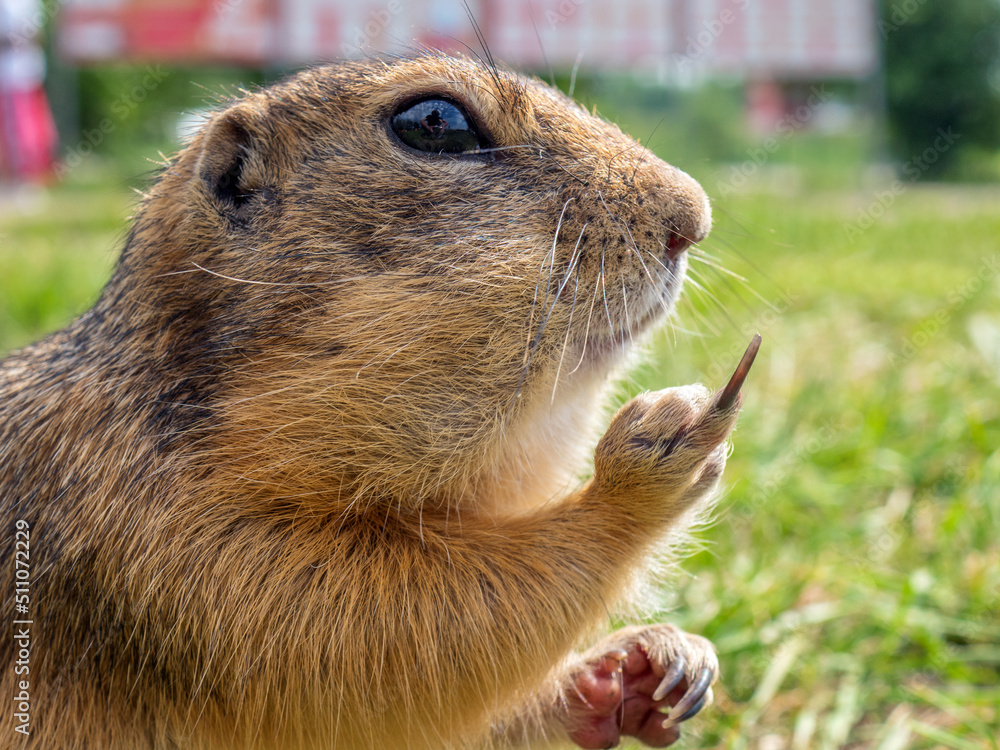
(304, 476)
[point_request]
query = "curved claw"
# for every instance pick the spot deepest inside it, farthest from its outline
(706, 700)
(693, 701)
(726, 398)
(671, 679)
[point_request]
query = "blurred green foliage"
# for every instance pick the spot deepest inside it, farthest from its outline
(942, 60)
(127, 113)
(703, 130)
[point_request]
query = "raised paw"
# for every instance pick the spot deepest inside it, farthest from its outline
(664, 451)
(640, 682)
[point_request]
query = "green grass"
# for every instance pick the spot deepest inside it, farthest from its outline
(55, 254)
(852, 581)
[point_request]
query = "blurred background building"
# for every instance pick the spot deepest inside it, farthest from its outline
(669, 38)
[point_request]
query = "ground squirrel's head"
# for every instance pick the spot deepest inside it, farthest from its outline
(418, 272)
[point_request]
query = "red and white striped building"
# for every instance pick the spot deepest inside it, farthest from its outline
(759, 39)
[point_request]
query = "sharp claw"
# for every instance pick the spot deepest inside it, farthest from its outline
(726, 398)
(693, 701)
(671, 679)
(668, 722)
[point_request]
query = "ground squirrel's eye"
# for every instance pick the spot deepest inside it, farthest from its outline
(437, 126)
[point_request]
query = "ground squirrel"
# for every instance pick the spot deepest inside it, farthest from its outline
(307, 474)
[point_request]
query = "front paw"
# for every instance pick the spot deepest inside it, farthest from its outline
(623, 686)
(666, 447)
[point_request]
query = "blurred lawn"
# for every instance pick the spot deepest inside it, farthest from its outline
(56, 251)
(852, 582)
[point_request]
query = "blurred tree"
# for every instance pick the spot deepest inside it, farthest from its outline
(942, 61)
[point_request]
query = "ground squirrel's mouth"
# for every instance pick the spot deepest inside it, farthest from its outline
(633, 314)
(676, 245)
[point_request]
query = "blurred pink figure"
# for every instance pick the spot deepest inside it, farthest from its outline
(766, 105)
(27, 131)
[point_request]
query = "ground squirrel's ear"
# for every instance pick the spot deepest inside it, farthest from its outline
(233, 165)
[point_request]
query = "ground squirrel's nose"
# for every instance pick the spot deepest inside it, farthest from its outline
(691, 219)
